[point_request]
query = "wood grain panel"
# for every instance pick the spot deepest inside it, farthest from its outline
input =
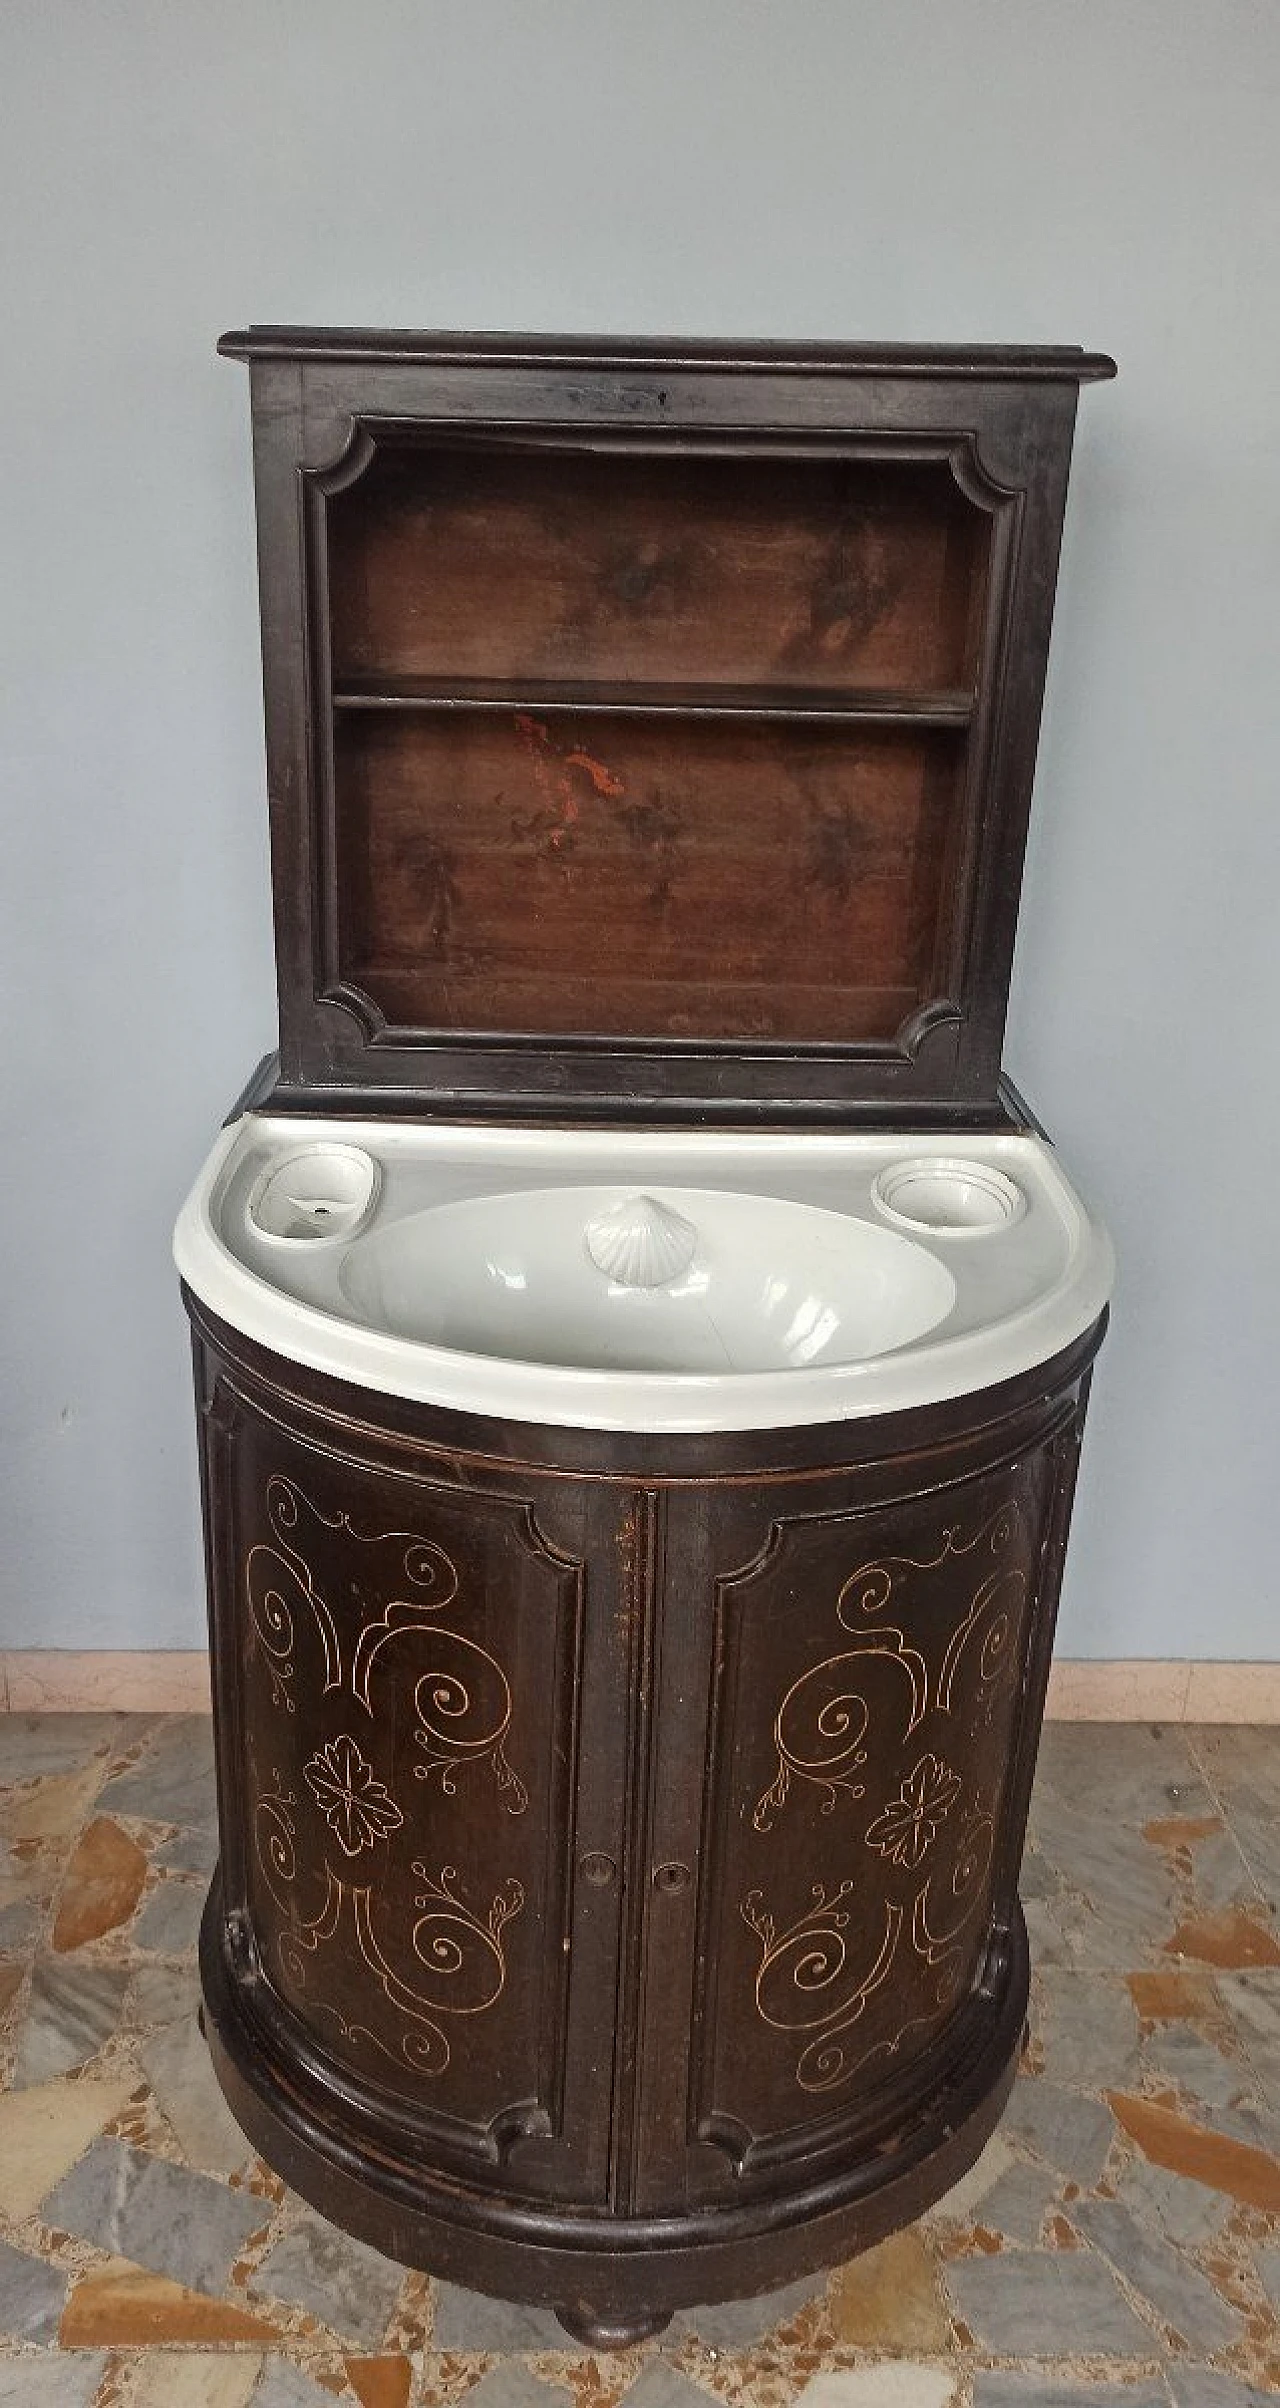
(520, 564)
(670, 878)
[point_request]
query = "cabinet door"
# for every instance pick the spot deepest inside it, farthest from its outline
(402, 1658)
(869, 1679)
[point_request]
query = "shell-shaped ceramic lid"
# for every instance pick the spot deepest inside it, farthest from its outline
(641, 1243)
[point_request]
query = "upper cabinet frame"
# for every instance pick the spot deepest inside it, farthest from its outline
(651, 727)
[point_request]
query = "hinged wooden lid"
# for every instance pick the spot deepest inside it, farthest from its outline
(651, 727)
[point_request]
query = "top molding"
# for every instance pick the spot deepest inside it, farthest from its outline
(1018, 363)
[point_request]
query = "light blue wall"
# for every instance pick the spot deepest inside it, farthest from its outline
(1104, 172)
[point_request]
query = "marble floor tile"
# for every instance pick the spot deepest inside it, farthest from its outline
(195, 2379)
(1004, 2387)
(348, 2286)
(1161, 2275)
(963, 2201)
(56, 1808)
(1126, 1890)
(169, 1924)
(35, 1745)
(1220, 1875)
(189, 1852)
(157, 2215)
(1199, 2387)
(1184, 2211)
(1089, 2028)
(1132, 1773)
(172, 1782)
(44, 2131)
(902, 2385)
(470, 2320)
(1253, 2003)
(178, 2068)
(1177, 2057)
(160, 1994)
(1069, 2132)
(1044, 2303)
(1242, 1767)
(516, 2386)
(59, 2379)
(1266, 2259)
(20, 1922)
(736, 2323)
(1017, 2205)
(284, 2386)
(72, 2008)
(658, 2386)
(32, 2295)
(27, 1872)
(1145, 2124)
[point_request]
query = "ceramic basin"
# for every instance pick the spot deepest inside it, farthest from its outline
(677, 1280)
(769, 1285)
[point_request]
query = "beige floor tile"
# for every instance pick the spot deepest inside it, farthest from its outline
(196, 2379)
(43, 2131)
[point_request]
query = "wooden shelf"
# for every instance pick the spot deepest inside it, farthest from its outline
(831, 705)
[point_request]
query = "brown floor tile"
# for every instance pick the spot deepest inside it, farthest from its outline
(123, 2307)
(101, 1886)
(888, 2299)
(1231, 1938)
(1168, 2139)
(1180, 1830)
(1162, 1997)
(380, 2382)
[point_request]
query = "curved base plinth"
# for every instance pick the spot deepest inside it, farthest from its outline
(612, 2280)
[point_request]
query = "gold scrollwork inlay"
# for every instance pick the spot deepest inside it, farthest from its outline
(806, 1982)
(823, 1720)
(819, 1974)
(447, 1959)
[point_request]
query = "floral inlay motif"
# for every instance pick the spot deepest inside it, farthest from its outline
(358, 1808)
(907, 1828)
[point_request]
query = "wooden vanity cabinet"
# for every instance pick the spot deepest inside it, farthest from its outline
(620, 1833)
(620, 1837)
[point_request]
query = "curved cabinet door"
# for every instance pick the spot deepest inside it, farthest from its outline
(874, 1688)
(401, 1662)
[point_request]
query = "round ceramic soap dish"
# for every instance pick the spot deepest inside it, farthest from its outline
(321, 1191)
(948, 1198)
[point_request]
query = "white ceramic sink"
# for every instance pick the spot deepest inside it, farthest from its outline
(769, 1285)
(644, 1280)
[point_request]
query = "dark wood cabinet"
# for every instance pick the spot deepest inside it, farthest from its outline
(615, 1857)
(651, 727)
(620, 1831)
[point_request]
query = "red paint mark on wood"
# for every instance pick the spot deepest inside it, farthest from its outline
(554, 776)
